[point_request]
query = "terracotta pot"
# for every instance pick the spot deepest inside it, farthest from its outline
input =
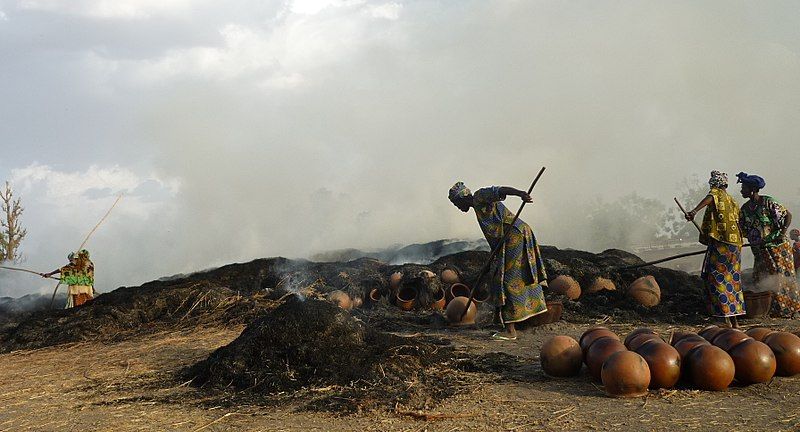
(340, 298)
(709, 368)
(601, 284)
(728, 338)
(637, 332)
(786, 347)
(599, 352)
(457, 290)
(640, 339)
(456, 308)
(758, 304)
(357, 302)
(710, 332)
(561, 356)
(406, 297)
(759, 333)
(449, 276)
(438, 300)
(678, 335)
(375, 295)
(645, 291)
(689, 343)
(553, 314)
(664, 362)
(394, 280)
(482, 295)
(755, 362)
(625, 374)
(427, 274)
(590, 336)
(565, 285)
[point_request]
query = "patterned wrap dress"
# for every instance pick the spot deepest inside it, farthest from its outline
(722, 265)
(774, 264)
(519, 274)
(79, 277)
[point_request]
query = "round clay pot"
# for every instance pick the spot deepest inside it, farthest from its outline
(394, 280)
(709, 368)
(427, 274)
(340, 298)
(625, 374)
(678, 335)
(590, 336)
(728, 338)
(438, 300)
(561, 356)
(375, 295)
(664, 362)
(482, 295)
(710, 332)
(689, 343)
(759, 333)
(645, 291)
(642, 338)
(449, 276)
(458, 290)
(357, 302)
(565, 285)
(456, 308)
(637, 332)
(599, 352)
(755, 362)
(786, 347)
(406, 297)
(600, 284)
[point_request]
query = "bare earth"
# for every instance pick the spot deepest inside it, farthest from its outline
(132, 386)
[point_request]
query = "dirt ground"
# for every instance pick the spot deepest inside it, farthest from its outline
(132, 385)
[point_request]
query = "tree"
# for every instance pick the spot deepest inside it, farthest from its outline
(12, 232)
(627, 222)
(675, 226)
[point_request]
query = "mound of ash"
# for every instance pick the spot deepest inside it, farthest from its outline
(303, 345)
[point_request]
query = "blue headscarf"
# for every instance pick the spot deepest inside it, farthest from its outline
(751, 180)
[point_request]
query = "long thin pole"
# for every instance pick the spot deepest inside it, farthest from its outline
(687, 214)
(669, 258)
(497, 248)
(23, 270)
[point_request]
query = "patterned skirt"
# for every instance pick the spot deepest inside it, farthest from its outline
(773, 269)
(518, 289)
(722, 280)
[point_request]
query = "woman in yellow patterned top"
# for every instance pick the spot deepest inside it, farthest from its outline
(722, 265)
(78, 275)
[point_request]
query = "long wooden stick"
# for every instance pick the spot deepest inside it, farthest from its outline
(687, 214)
(23, 270)
(497, 248)
(52, 299)
(669, 258)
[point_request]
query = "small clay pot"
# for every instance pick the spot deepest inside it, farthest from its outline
(482, 295)
(689, 343)
(728, 338)
(406, 297)
(561, 356)
(455, 309)
(599, 352)
(438, 300)
(664, 362)
(601, 284)
(625, 374)
(565, 285)
(678, 335)
(640, 339)
(340, 298)
(637, 332)
(710, 332)
(427, 274)
(755, 362)
(759, 333)
(457, 290)
(590, 336)
(375, 295)
(357, 302)
(786, 347)
(449, 276)
(394, 280)
(645, 291)
(709, 368)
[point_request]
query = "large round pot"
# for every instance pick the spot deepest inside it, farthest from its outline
(709, 368)
(449, 276)
(689, 343)
(755, 362)
(406, 298)
(592, 335)
(645, 291)
(664, 362)
(455, 309)
(601, 284)
(565, 285)
(561, 356)
(553, 314)
(637, 332)
(643, 338)
(710, 332)
(340, 298)
(599, 352)
(678, 335)
(786, 348)
(457, 290)
(728, 338)
(625, 374)
(394, 280)
(759, 333)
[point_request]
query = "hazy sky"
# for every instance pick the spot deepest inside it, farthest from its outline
(244, 129)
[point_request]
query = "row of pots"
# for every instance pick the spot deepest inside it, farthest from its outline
(406, 297)
(644, 290)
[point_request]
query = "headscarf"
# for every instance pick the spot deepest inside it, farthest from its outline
(751, 180)
(459, 190)
(718, 180)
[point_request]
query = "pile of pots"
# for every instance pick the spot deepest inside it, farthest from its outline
(709, 360)
(451, 298)
(644, 290)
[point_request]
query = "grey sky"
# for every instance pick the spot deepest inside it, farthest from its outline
(244, 129)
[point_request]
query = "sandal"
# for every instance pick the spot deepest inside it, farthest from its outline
(501, 337)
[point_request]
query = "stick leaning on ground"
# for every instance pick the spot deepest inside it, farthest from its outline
(497, 249)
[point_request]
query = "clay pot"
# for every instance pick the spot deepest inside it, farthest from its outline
(456, 308)
(449, 276)
(553, 314)
(394, 280)
(625, 374)
(340, 298)
(457, 290)
(710, 332)
(758, 304)
(709, 368)
(728, 338)
(786, 347)
(406, 297)
(375, 295)
(592, 335)
(599, 352)
(637, 332)
(438, 300)
(357, 302)
(755, 362)
(678, 335)
(565, 285)
(600, 284)
(561, 356)
(642, 338)
(645, 291)
(482, 295)
(664, 362)
(427, 274)
(759, 333)
(689, 343)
